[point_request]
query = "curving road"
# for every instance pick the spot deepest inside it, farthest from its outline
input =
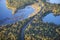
(22, 33)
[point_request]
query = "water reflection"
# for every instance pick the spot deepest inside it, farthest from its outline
(50, 18)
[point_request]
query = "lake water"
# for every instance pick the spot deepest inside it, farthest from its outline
(54, 1)
(6, 16)
(50, 18)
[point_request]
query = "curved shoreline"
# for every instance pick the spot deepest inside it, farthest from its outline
(14, 5)
(26, 24)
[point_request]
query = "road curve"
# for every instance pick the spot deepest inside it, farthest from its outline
(22, 33)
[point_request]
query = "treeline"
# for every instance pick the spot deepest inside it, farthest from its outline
(14, 5)
(55, 8)
(38, 30)
(19, 3)
(11, 31)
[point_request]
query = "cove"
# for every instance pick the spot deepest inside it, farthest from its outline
(50, 18)
(6, 16)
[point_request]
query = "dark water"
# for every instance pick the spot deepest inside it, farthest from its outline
(6, 16)
(50, 18)
(54, 1)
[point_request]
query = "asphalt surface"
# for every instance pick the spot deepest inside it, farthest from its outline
(22, 33)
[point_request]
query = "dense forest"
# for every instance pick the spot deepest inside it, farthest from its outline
(11, 31)
(55, 8)
(38, 30)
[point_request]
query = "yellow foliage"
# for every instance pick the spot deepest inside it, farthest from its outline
(58, 30)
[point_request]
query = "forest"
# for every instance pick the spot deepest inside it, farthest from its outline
(38, 30)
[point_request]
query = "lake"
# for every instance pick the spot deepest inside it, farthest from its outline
(54, 1)
(6, 16)
(50, 18)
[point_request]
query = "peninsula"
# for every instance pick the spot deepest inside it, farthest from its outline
(14, 5)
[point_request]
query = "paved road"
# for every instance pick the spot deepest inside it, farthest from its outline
(26, 25)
